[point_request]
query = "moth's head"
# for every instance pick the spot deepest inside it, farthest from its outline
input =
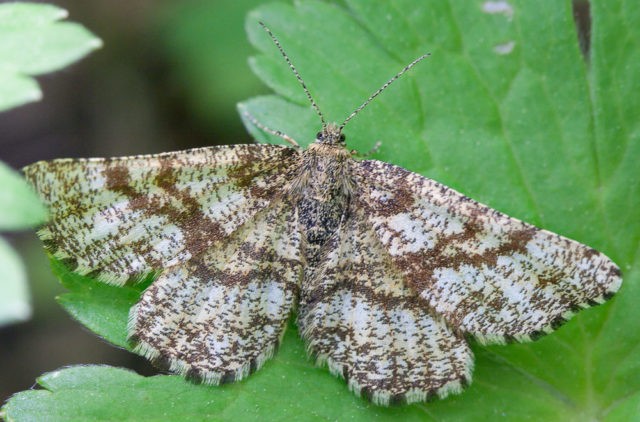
(331, 134)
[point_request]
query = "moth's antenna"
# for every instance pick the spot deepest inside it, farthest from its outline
(382, 88)
(295, 71)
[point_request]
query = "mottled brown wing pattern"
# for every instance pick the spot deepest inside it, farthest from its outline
(488, 275)
(219, 316)
(122, 218)
(361, 319)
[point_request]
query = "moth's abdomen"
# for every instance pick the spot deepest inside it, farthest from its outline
(320, 219)
(323, 194)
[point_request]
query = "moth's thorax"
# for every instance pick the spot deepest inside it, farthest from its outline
(331, 151)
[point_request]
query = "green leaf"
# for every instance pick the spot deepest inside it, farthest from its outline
(537, 132)
(104, 393)
(23, 208)
(33, 42)
(14, 294)
(102, 308)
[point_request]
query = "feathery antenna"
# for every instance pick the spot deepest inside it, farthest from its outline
(295, 71)
(382, 88)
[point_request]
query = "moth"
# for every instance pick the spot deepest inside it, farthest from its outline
(389, 271)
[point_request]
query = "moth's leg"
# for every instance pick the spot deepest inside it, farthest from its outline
(369, 153)
(264, 128)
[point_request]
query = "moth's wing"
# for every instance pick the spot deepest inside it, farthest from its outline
(122, 218)
(487, 274)
(219, 316)
(358, 315)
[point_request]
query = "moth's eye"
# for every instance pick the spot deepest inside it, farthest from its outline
(319, 135)
(342, 137)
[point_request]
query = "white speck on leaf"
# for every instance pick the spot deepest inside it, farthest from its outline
(498, 7)
(505, 48)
